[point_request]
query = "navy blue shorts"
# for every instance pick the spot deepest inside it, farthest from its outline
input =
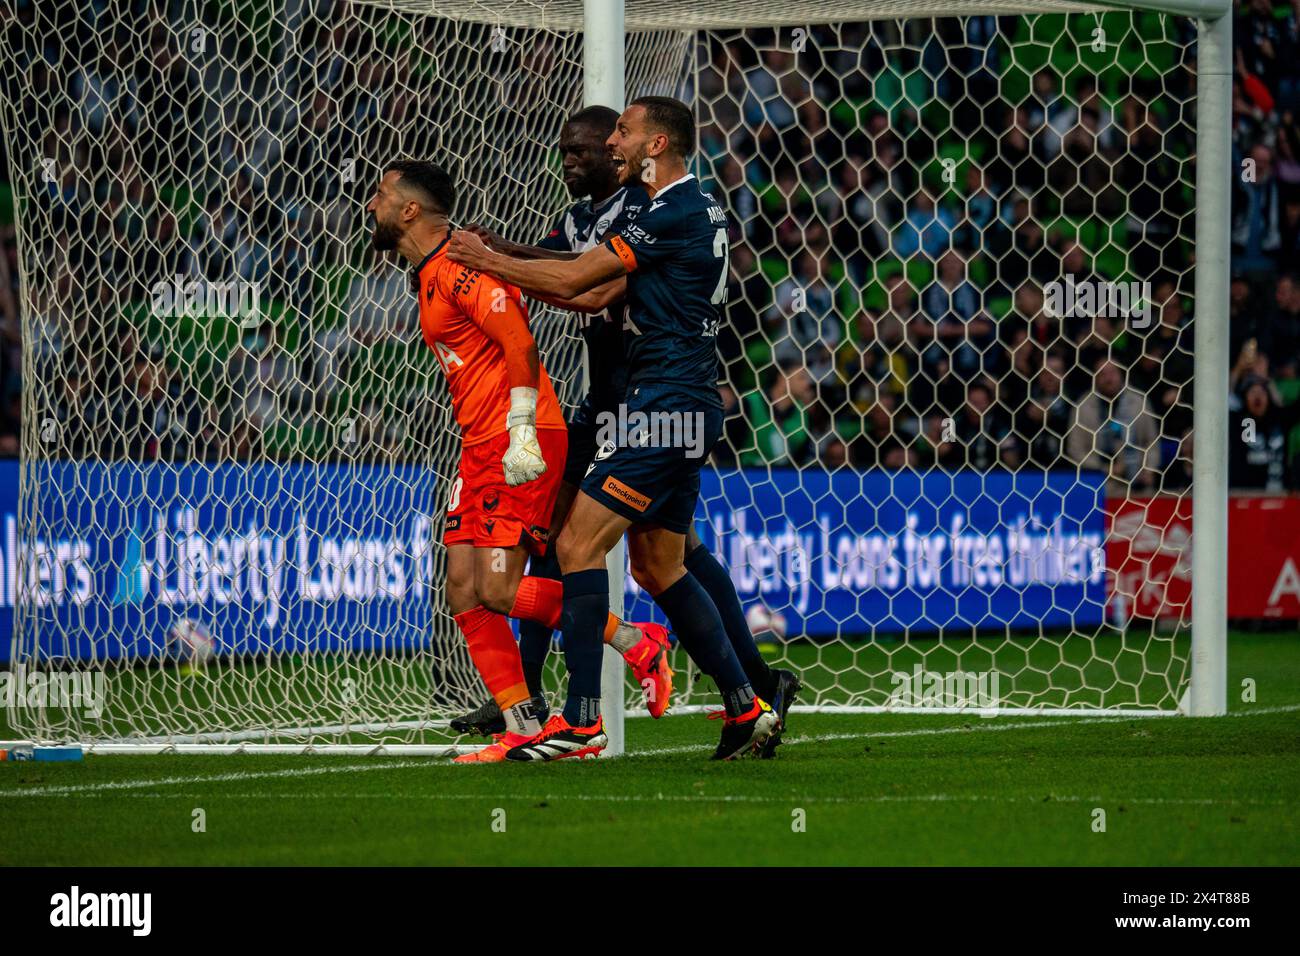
(647, 468)
(582, 443)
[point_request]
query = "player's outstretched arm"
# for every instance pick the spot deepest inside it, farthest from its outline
(516, 250)
(564, 279)
(592, 301)
(595, 300)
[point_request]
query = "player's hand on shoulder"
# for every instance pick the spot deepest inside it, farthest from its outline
(492, 240)
(467, 249)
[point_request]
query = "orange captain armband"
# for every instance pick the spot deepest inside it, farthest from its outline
(624, 252)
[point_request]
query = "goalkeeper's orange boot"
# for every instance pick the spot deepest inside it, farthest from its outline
(494, 752)
(559, 739)
(649, 662)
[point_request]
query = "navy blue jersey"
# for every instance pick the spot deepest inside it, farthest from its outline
(582, 227)
(676, 250)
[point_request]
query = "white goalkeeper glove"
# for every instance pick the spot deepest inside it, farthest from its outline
(523, 459)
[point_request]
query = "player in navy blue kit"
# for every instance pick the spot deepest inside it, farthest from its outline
(668, 261)
(589, 172)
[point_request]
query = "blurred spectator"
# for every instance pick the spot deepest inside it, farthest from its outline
(1258, 438)
(378, 309)
(1257, 217)
(153, 417)
(928, 228)
(262, 380)
(979, 430)
(779, 419)
(803, 314)
(1113, 432)
(1045, 419)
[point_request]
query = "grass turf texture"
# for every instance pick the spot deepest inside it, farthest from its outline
(875, 790)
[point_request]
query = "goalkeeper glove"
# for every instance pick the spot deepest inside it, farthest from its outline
(523, 459)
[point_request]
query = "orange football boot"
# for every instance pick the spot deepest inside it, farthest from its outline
(649, 662)
(494, 752)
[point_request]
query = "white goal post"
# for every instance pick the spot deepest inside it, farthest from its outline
(229, 511)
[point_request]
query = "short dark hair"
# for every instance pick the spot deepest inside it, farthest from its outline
(428, 178)
(600, 119)
(672, 117)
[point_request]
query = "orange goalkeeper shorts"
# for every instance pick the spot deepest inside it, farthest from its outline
(486, 512)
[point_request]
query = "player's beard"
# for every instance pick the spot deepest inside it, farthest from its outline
(635, 168)
(384, 236)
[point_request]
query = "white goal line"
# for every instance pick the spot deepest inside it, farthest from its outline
(247, 742)
(176, 746)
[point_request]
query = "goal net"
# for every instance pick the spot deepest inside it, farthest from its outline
(957, 363)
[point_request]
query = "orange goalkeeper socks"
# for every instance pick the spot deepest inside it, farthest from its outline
(494, 652)
(542, 599)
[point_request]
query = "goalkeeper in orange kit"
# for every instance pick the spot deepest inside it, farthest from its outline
(513, 446)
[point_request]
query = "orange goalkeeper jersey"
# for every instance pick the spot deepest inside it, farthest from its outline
(456, 303)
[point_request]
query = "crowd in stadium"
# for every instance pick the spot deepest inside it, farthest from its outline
(956, 363)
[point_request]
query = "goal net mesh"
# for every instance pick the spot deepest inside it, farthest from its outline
(957, 362)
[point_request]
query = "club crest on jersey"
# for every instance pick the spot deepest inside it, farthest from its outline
(430, 289)
(491, 500)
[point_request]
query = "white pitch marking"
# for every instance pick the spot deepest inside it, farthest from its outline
(77, 789)
(983, 725)
(126, 785)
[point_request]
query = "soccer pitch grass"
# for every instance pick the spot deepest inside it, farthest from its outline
(868, 790)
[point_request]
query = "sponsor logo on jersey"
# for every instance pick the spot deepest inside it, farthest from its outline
(634, 233)
(656, 205)
(489, 524)
(465, 280)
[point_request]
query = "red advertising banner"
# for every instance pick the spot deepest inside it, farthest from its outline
(1149, 557)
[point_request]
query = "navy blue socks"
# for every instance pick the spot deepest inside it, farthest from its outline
(695, 620)
(586, 608)
(715, 580)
